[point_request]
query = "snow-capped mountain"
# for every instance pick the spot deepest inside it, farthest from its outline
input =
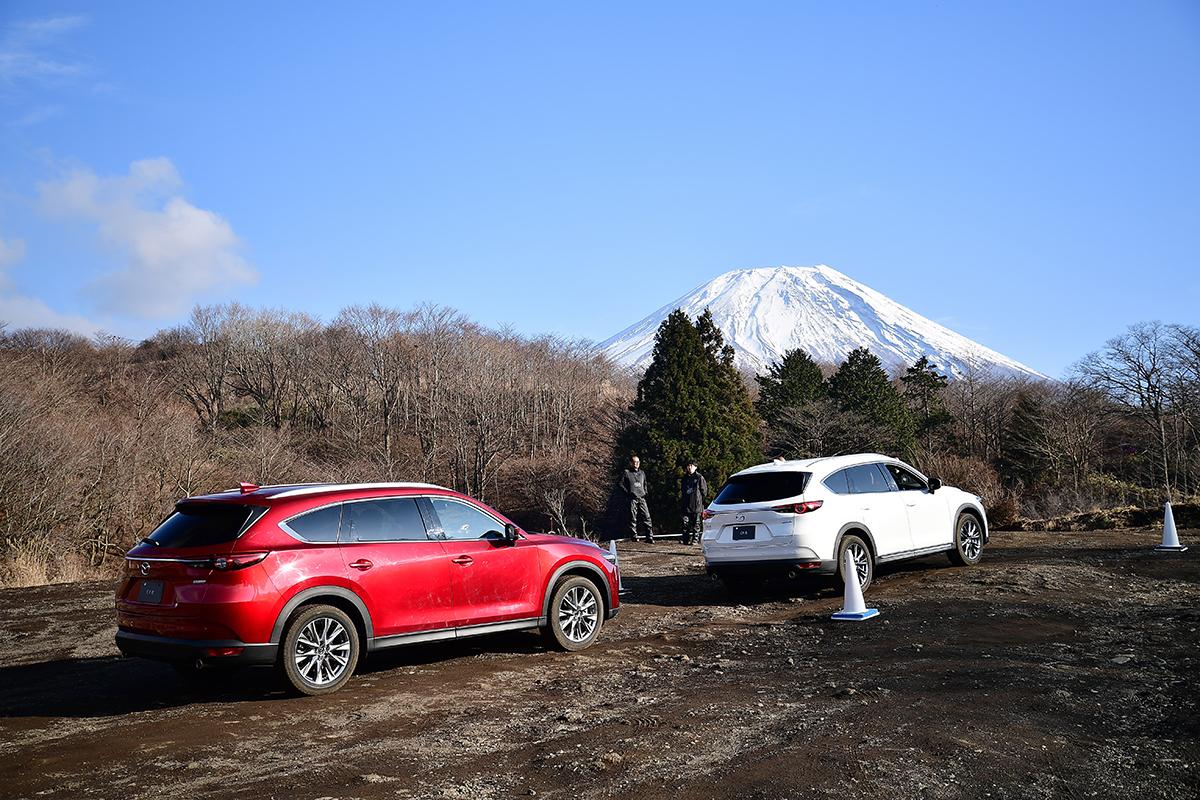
(767, 311)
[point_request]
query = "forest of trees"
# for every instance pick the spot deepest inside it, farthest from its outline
(99, 437)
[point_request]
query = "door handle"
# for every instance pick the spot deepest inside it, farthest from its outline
(463, 561)
(911, 505)
(362, 564)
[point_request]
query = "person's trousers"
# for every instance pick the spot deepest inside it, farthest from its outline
(691, 526)
(639, 512)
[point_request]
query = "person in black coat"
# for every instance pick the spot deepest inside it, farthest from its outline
(693, 491)
(633, 486)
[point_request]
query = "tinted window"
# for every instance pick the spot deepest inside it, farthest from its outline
(837, 482)
(317, 526)
(762, 487)
(461, 521)
(905, 480)
(867, 479)
(202, 524)
(392, 519)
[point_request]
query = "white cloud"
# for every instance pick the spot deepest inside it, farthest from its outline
(29, 52)
(11, 251)
(20, 311)
(173, 252)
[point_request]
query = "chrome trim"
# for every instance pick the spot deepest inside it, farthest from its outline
(917, 552)
(283, 525)
(439, 634)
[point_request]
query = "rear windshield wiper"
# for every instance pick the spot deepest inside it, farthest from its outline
(148, 540)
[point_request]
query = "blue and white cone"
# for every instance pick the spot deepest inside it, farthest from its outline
(853, 606)
(1170, 542)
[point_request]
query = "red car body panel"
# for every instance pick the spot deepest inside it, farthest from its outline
(409, 588)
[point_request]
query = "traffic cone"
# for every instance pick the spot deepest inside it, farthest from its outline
(1170, 542)
(853, 606)
(612, 549)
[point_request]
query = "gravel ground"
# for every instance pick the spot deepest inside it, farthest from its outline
(1062, 666)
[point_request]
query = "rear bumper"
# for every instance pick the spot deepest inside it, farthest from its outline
(772, 566)
(162, 648)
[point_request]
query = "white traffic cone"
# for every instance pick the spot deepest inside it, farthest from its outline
(853, 606)
(612, 549)
(1170, 542)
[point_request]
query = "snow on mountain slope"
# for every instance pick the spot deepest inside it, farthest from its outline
(767, 311)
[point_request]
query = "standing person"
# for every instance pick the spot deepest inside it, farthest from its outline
(633, 485)
(693, 491)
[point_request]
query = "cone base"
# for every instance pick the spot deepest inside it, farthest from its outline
(856, 616)
(1166, 548)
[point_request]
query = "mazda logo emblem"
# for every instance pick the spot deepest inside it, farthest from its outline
(144, 567)
(740, 518)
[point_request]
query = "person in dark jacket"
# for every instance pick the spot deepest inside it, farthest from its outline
(633, 486)
(693, 491)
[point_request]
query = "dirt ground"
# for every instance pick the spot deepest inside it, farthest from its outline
(1064, 665)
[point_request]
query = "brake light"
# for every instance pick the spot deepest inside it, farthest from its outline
(799, 508)
(236, 561)
(706, 514)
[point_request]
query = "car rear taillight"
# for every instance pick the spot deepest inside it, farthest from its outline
(799, 508)
(706, 514)
(236, 561)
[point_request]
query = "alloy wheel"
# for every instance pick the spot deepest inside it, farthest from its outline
(862, 561)
(322, 651)
(578, 614)
(970, 538)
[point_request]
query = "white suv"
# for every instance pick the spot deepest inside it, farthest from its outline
(792, 517)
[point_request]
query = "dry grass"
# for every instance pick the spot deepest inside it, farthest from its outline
(38, 561)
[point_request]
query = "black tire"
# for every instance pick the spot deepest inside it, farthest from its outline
(863, 557)
(576, 614)
(968, 540)
(314, 645)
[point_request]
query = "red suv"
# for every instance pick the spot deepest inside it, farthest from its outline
(309, 577)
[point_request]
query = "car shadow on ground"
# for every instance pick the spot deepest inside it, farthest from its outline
(110, 685)
(700, 589)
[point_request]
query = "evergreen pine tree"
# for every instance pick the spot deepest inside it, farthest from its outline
(923, 387)
(691, 404)
(792, 382)
(862, 387)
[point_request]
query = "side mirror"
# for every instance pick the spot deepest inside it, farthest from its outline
(510, 533)
(934, 484)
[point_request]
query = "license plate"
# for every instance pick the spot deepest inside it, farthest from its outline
(150, 592)
(743, 532)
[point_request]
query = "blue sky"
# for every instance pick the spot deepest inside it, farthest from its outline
(1026, 173)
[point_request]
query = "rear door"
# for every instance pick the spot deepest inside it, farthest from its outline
(928, 523)
(492, 581)
(395, 566)
(881, 507)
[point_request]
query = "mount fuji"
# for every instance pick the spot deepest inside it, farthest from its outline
(765, 312)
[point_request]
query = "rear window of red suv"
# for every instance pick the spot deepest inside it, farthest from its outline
(204, 524)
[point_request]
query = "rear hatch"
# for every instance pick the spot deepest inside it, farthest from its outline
(743, 515)
(173, 564)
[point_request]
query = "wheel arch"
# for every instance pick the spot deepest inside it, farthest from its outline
(336, 596)
(975, 511)
(584, 569)
(861, 530)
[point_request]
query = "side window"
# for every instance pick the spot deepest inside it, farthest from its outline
(837, 482)
(867, 479)
(385, 520)
(320, 526)
(461, 521)
(905, 479)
